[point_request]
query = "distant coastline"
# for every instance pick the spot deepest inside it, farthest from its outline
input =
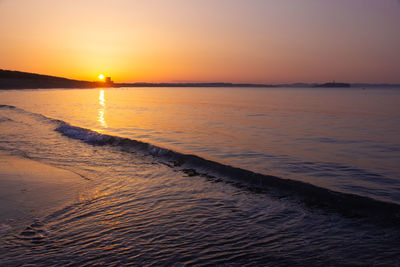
(24, 80)
(333, 85)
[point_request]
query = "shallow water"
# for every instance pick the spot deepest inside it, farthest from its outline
(141, 210)
(347, 140)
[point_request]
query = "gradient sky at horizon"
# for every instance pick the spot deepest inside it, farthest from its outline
(258, 41)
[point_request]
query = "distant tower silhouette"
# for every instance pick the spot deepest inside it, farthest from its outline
(109, 82)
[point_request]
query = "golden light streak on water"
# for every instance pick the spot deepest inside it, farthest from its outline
(101, 111)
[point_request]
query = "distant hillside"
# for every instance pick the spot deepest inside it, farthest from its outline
(24, 80)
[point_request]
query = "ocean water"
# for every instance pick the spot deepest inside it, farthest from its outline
(236, 176)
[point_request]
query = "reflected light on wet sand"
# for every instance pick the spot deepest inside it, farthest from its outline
(100, 117)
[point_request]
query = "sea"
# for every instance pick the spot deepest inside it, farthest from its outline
(210, 176)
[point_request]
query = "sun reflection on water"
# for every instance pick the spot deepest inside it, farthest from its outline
(102, 103)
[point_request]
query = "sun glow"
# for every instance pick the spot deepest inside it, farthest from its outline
(101, 76)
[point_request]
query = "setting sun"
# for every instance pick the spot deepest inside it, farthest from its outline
(200, 132)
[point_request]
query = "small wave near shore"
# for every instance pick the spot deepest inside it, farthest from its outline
(145, 205)
(344, 203)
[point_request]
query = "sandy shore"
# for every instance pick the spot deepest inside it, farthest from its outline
(29, 189)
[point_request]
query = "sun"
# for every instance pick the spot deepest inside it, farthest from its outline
(101, 76)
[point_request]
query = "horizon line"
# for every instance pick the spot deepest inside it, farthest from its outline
(213, 82)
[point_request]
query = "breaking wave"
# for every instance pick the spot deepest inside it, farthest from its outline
(313, 196)
(347, 204)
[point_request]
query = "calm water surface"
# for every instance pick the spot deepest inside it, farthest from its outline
(135, 209)
(343, 139)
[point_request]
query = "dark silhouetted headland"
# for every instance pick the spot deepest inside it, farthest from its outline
(334, 85)
(24, 80)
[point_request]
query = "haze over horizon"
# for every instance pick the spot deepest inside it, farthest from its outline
(204, 41)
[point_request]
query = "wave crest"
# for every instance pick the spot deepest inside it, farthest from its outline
(344, 203)
(314, 196)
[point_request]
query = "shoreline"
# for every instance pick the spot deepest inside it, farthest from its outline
(31, 189)
(14, 80)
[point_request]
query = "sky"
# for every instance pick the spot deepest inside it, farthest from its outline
(257, 41)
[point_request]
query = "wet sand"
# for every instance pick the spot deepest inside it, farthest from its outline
(30, 189)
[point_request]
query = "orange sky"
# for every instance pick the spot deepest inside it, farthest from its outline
(269, 41)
